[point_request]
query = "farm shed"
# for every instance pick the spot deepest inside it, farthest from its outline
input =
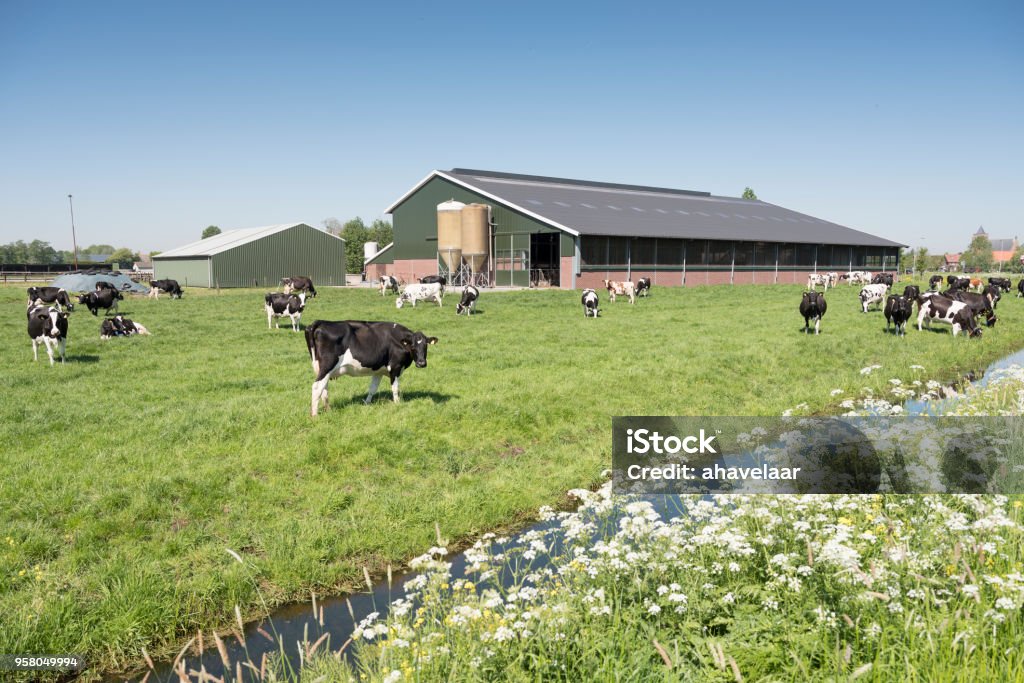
(571, 234)
(256, 257)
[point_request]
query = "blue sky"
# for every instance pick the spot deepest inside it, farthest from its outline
(900, 119)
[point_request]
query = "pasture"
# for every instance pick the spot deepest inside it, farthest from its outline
(128, 472)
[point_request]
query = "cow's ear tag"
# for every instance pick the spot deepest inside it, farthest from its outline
(431, 340)
(406, 343)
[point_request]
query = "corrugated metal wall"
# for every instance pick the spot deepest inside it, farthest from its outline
(189, 272)
(301, 250)
(415, 221)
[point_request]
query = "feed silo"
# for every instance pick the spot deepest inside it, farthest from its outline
(475, 230)
(449, 234)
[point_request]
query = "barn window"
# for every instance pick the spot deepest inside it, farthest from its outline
(805, 255)
(670, 252)
(744, 253)
(642, 253)
(787, 255)
(696, 252)
(764, 254)
(719, 253)
(618, 251)
(594, 250)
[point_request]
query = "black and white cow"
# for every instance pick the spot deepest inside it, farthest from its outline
(468, 301)
(963, 283)
(815, 279)
(105, 298)
(57, 296)
(280, 305)
(120, 326)
(994, 293)
(298, 283)
(388, 282)
(898, 310)
(643, 286)
(883, 279)
(1020, 288)
(812, 307)
(103, 284)
(360, 349)
(978, 303)
(432, 291)
(47, 325)
(858, 277)
(934, 281)
(1002, 283)
(434, 279)
(169, 286)
(943, 309)
(912, 292)
(874, 293)
(589, 301)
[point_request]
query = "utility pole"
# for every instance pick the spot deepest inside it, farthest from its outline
(74, 240)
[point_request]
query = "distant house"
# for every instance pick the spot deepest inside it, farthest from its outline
(1002, 249)
(952, 262)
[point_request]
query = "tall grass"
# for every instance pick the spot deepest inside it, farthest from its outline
(128, 471)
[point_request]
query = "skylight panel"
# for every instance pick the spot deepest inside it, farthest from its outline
(613, 207)
(563, 204)
(589, 206)
(535, 202)
(637, 209)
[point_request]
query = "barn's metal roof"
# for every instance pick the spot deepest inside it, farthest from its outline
(582, 207)
(229, 239)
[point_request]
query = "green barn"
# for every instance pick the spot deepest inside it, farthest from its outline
(256, 257)
(511, 229)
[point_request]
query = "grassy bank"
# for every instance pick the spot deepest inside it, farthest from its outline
(128, 472)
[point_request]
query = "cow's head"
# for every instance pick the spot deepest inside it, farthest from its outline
(400, 301)
(50, 318)
(84, 298)
(417, 345)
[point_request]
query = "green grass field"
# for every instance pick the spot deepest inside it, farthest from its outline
(129, 471)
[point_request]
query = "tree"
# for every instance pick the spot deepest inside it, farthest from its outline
(210, 231)
(383, 233)
(356, 234)
(1014, 265)
(123, 256)
(978, 256)
(98, 249)
(748, 193)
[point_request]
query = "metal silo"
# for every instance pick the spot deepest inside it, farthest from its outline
(449, 234)
(475, 225)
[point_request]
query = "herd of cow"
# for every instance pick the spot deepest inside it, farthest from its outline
(48, 309)
(958, 306)
(378, 349)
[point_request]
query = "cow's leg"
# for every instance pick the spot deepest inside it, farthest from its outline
(394, 390)
(439, 300)
(35, 350)
(817, 325)
(48, 343)
(270, 317)
(62, 345)
(374, 383)
(319, 395)
(295, 322)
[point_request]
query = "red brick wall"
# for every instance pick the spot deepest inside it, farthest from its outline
(565, 272)
(694, 278)
(412, 270)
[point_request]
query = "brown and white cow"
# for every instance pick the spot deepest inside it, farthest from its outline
(621, 288)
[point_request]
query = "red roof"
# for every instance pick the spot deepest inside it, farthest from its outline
(952, 258)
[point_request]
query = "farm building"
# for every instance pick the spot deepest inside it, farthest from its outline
(522, 230)
(256, 257)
